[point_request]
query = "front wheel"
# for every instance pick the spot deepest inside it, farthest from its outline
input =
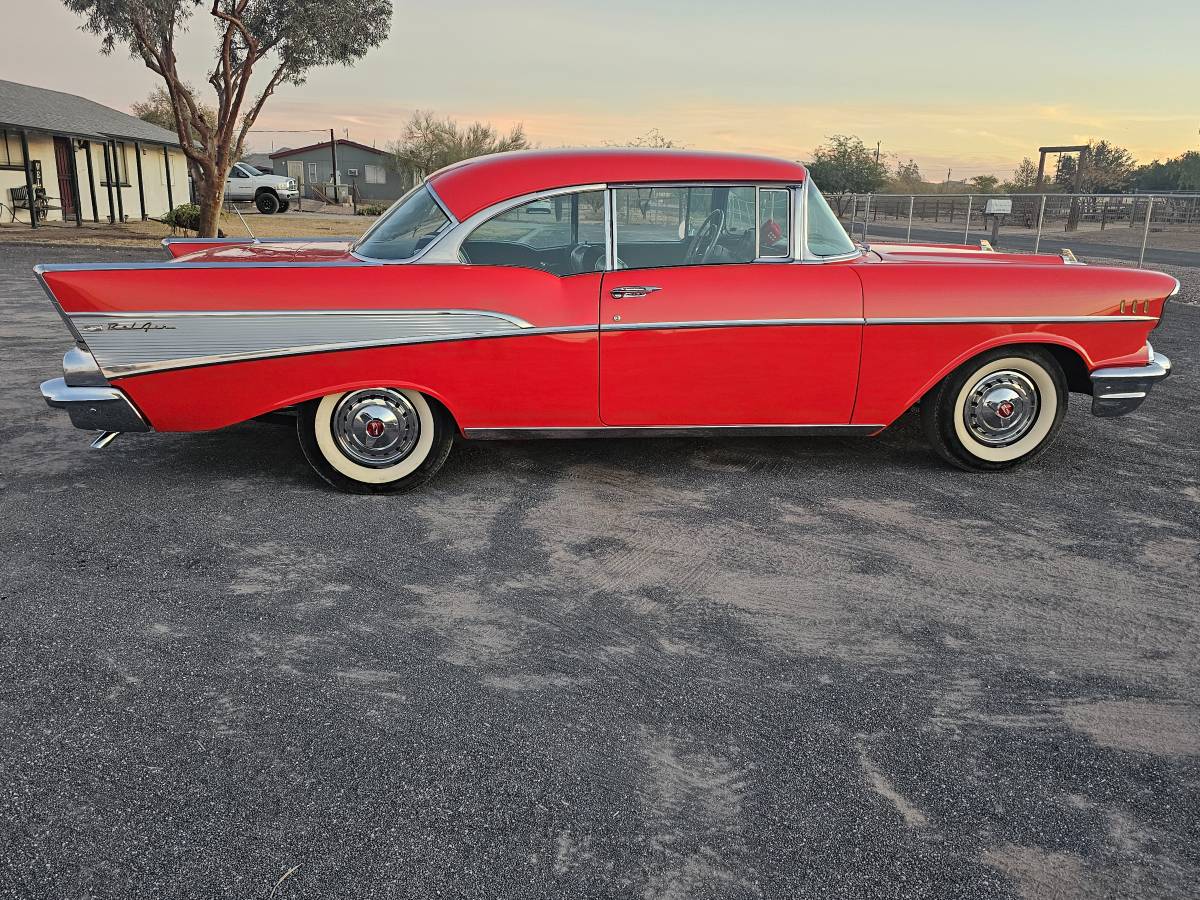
(285, 206)
(267, 203)
(375, 441)
(1000, 409)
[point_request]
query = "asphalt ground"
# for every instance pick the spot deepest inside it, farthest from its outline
(661, 669)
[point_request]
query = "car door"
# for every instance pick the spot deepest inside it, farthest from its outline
(707, 319)
(238, 186)
(542, 262)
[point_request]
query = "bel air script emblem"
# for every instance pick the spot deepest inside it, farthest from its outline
(128, 326)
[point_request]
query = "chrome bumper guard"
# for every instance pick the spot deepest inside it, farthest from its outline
(1118, 391)
(94, 408)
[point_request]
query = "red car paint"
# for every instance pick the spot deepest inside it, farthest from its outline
(848, 362)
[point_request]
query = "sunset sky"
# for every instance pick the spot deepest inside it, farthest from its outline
(968, 86)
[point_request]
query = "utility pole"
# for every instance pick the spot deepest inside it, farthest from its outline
(333, 150)
(877, 145)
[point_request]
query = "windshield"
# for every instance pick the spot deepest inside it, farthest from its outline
(405, 229)
(826, 236)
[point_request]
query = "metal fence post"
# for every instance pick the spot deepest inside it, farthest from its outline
(866, 215)
(1041, 217)
(911, 200)
(967, 230)
(1145, 232)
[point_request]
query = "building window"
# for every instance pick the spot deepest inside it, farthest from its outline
(120, 164)
(117, 160)
(10, 150)
(312, 173)
(375, 174)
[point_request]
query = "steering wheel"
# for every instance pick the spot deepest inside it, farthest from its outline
(585, 257)
(706, 238)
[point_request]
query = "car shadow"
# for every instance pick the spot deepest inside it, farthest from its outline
(269, 452)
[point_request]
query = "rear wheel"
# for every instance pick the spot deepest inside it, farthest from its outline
(375, 441)
(267, 203)
(1000, 409)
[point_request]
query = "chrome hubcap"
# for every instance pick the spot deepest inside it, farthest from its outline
(376, 427)
(1001, 408)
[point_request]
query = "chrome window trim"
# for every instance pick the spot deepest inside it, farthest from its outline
(790, 190)
(444, 250)
(447, 227)
(807, 256)
(610, 230)
(757, 185)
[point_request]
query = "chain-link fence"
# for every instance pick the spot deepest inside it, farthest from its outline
(1124, 223)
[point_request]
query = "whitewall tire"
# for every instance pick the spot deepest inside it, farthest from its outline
(375, 440)
(1002, 408)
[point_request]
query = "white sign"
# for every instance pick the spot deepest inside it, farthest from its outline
(998, 208)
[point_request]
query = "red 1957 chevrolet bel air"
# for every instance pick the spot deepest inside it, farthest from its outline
(601, 293)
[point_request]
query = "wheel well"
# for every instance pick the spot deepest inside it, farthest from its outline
(1079, 380)
(435, 402)
(1074, 368)
(265, 189)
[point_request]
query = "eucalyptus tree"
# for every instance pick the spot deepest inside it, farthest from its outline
(279, 41)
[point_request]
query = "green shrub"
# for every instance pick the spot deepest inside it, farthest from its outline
(372, 209)
(185, 217)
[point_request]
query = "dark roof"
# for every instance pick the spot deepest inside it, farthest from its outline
(39, 109)
(342, 142)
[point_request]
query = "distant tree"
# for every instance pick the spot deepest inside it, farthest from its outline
(984, 184)
(1109, 169)
(1181, 173)
(289, 36)
(158, 110)
(844, 166)
(1024, 178)
(652, 139)
(429, 143)
(907, 179)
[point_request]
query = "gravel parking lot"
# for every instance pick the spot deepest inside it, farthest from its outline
(660, 669)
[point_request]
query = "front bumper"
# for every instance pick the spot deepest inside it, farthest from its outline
(287, 194)
(1118, 391)
(94, 408)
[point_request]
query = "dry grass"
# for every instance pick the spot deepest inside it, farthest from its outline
(149, 234)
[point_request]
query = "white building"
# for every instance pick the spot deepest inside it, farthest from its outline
(83, 161)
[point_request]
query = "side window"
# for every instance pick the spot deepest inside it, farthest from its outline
(236, 172)
(695, 226)
(774, 222)
(563, 235)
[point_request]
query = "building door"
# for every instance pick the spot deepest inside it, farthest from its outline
(295, 171)
(62, 160)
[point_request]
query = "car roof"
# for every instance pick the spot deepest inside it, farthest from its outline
(476, 184)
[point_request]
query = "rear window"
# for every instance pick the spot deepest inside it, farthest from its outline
(405, 229)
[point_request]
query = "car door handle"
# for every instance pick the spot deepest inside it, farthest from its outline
(626, 293)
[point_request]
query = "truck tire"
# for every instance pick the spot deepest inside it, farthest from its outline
(267, 202)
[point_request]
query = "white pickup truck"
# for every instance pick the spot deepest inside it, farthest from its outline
(270, 193)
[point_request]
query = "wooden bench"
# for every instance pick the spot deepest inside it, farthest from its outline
(19, 197)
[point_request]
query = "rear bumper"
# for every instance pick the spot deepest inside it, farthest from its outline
(94, 408)
(1116, 392)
